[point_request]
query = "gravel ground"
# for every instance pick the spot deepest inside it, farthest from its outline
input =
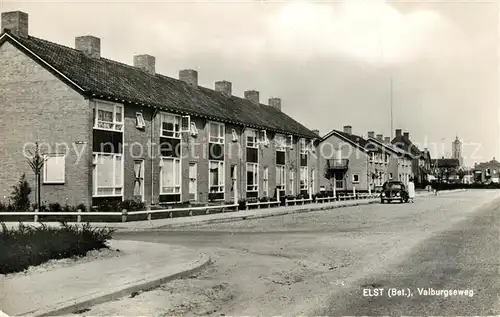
(293, 264)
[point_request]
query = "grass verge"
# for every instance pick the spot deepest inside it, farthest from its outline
(27, 246)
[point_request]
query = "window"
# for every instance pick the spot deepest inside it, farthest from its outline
(139, 121)
(54, 169)
(251, 138)
(355, 178)
(280, 177)
(280, 142)
(216, 176)
(290, 142)
(170, 126)
(193, 129)
(170, 176)
(186, 124)
(193, 185)
(252, 177)
(109, 116)
(292, 182)
(303, 148)
(216, 132)
(303, 178)
(235, 135)
(107, 175)
(139, 179)
(265, 182)
(263, 138)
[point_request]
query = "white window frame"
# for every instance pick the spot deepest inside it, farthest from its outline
(280, 142)
(222, 176)
(139, 121)
(117, 126)
(176, 134)
(95, 174)
(263, 138)
(176, 187)
(303, 146)
(292, 182)
(304, 178)
(290, 142)
(141, 177)
(234, 135)
(254, 187)
(251, 133)
(46, 160)
(281, 173)
(185, 124)
(265, 182)
(195, 179)
(355, 181)
(193, 129)
(221, 130)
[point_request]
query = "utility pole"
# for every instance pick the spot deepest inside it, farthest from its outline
(392, 119)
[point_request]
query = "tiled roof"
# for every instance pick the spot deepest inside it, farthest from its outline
(114, 80)
(446, 162)
(354, 139)
(404, 144)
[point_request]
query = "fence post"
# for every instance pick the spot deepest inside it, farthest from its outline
(79, 216)
(35, 218)
(124, 215)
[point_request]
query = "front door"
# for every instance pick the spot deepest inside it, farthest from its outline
(193, 184)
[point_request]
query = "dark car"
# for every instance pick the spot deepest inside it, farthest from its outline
(394, 191)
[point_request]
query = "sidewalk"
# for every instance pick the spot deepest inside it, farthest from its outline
(235, 216)
(67, 289)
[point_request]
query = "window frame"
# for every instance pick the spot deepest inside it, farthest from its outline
(221, 131)
(292, 182)
(265, 181)
(141, 178)
(252, 133)
(114, 122)
(140, 123)
(177, 121)
(281, 173)
(304, 183)
(193, 129)
(355, 181)
(95, 174)
(281, 145)
(45, 160)
(255, 185)
(303, 146)
(234, 135)
(221, 170)
(177, 187)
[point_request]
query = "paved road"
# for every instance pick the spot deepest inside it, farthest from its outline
(320, 263)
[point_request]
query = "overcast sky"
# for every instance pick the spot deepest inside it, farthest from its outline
(330, 63)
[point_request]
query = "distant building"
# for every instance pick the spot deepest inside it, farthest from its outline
(487, 172)
(456, 147)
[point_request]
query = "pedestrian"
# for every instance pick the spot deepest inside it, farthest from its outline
(411, 190)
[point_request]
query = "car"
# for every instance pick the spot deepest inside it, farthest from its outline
(394, 190)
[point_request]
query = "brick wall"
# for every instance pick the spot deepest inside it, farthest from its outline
(36, 106)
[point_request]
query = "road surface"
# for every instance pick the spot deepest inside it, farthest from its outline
(328, 262)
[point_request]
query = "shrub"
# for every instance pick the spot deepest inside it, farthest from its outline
(242, 204)
(55, 207)
(264, 199)
(82, 207)
(27, 246)
(21, 194)
(132, 205)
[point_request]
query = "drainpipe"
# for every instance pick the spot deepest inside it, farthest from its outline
(153, 117)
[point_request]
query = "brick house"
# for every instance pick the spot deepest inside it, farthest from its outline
(487, 172)
(420, 159)
(114, 131)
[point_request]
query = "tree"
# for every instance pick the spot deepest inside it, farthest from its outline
(36, 163)
(21, 194)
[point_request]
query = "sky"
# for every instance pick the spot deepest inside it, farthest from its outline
(331, 63)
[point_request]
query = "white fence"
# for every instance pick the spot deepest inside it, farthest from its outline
(191, 210)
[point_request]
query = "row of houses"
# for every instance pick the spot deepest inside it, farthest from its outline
(112, 131)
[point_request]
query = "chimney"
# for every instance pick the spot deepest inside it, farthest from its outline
(387, 139)
(89, 44)
(380, 137)
(253, 96)
(406, 135)
(16, 22)
(315, 132)
(224, 87)
(189, 76)
(348, 129)
(398, 132)
(371, 134)
(275, 103)
(145, 62)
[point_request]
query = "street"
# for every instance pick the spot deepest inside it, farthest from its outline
(329, 262)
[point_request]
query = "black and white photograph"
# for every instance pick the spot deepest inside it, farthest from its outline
(249, 158)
